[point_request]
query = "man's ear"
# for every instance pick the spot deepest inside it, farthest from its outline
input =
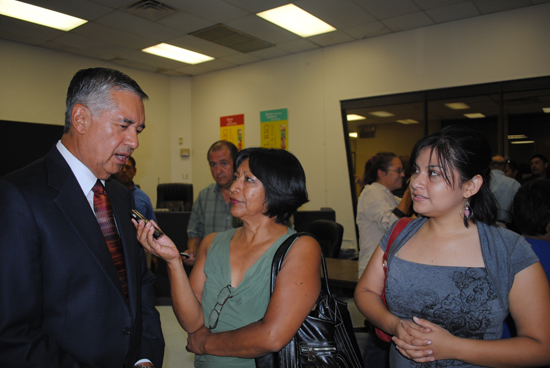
(81, 118)
(472, 186)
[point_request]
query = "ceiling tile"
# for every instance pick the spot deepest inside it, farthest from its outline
(262, 29)
(28, 29)
(409, 21)
(217, 11)
(339, 14)
(18, 37)
(430, 4)
(186, 22)
(297, 45)
(256, 6)
(271, 52)
(111, 35)
(114, 3)
(79, 41)
(240, 59)
(130, 23)
(217, 64)
(331, 38)
(149, 59)
(493, 6)
(81, 9)
(383, 9)
(193, 69)
(202, 46)
(453, 12)
(367, 30)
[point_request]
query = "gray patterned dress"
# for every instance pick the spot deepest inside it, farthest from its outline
(463, 300)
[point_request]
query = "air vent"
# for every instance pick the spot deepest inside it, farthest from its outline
(229, 37)
(150, 9)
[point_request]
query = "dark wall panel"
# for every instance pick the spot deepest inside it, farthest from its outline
(23, 143)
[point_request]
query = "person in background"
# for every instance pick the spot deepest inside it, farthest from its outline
(532, 217)
(74, 286)
(211, 210)
(225, 305)
(539, 168)
(143, 202)
(406, 162)
(377, 210)
(126, 178)
(512, 171)
(377, 207)
(452, 275)
(504, 189)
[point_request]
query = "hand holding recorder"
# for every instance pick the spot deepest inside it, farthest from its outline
(153, 240)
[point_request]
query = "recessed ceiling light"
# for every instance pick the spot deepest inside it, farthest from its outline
(296, 20)
(522, 142)
(546, 110)
(475, 115)
(353, 135)
(381, 114)
(517, 136)
(353, 117)
(407, 121)
(457, 106)
(38, 15)
(177, 53)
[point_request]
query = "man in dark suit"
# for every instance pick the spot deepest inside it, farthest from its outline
(63, 301)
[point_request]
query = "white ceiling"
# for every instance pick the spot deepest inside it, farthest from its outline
(116, 35)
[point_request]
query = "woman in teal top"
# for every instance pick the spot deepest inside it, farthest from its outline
(225, 304)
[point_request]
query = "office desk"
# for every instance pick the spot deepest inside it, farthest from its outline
(342, 273)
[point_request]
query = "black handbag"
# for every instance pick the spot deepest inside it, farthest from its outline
(326, 337)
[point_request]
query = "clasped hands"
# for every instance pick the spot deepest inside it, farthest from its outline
(423, 341)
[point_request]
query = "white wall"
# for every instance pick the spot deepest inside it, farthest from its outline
(502, 46)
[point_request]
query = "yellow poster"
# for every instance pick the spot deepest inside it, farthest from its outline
(274, 128)
(232, 130)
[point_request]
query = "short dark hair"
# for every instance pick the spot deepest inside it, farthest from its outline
(542, 157)
(132, 160)
(380, 161)
(282, 176)
(531, 207)
(468, 152)
(218, 145)
(92, 88)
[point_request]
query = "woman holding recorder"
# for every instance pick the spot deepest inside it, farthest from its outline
(225, 304)
(452, 275)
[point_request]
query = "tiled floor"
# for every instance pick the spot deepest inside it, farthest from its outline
(175, 355)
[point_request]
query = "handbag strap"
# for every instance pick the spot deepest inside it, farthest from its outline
(279, 257)
(401, 224)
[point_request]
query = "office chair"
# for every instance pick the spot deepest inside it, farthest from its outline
(329, 234)
(175, 196)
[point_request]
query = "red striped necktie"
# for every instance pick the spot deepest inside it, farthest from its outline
(104, 215)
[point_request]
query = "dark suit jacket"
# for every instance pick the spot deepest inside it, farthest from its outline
(60, 297)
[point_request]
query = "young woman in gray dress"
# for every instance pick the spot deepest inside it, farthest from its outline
(452, 275)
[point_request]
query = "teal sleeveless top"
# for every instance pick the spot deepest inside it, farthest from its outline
(250, 298)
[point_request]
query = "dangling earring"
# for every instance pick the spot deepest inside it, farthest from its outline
(468, 212)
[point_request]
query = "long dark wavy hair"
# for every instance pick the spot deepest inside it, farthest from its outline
(468, 152)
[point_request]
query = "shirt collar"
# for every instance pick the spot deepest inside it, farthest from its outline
(86, 179)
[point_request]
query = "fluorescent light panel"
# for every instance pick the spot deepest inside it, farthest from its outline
(177, 53)
(407, 121)
(296, 20)
(457, 106)
(38, 15)
(382, 114)
(353, 117)
(546, 109)
(353, 135)
(517, 136)
(475, 115)
(522, 142)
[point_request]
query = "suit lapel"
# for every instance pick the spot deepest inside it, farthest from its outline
(79, 215)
